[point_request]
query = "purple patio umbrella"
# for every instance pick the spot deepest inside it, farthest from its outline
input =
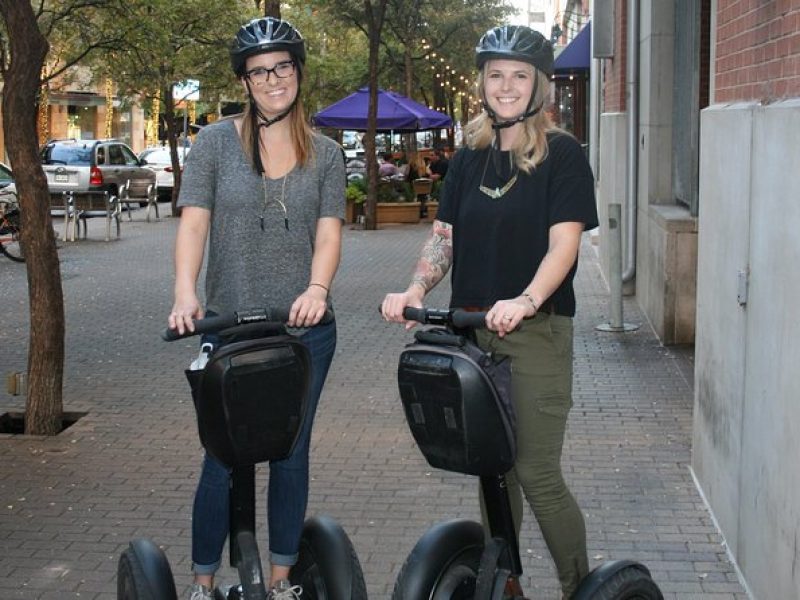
(395, 113)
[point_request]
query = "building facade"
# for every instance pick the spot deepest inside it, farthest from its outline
(714, 90)
(75, 107)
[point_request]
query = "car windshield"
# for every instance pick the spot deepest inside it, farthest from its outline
(69, 155)
(160, 156)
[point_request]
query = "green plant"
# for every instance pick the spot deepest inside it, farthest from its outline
(437, 186)
(354, 193)
(395, 191)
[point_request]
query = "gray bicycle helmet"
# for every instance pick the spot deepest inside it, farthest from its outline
(516, 42)
(266, 34)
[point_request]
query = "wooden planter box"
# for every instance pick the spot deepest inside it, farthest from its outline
(397, 212)
(432, 207)
(352, 211)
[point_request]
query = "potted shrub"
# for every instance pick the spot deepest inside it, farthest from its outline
(396, 203)
(354, 197)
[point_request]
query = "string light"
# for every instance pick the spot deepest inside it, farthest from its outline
(44, 111)
(450, 81)
(152, 123)
(109, 108)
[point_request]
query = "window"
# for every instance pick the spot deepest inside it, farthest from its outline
(116, 157)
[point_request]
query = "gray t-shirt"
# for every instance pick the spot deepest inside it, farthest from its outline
(251, 267)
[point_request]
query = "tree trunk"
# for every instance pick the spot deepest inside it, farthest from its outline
(408, 72)
(272, 8)
(172, 140)
(374, 16)
(28, 49)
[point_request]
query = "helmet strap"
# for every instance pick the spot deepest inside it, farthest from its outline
(260, 120)
(529, 112)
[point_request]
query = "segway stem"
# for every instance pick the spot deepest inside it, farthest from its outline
(501, 520)
(242, 507)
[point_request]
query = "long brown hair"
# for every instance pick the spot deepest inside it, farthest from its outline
(530, 148)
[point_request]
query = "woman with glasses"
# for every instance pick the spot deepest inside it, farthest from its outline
(268, 195)
(511, 213)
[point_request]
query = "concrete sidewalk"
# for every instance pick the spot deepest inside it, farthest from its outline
(69, 504)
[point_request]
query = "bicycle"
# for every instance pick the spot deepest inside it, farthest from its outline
(455, 400)
(10, 244)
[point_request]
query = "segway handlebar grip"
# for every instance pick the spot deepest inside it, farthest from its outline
(468, 319)
(242, 317)
(457, 317)
(201, 326)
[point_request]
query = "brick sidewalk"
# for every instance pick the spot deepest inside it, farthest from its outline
(69, 504)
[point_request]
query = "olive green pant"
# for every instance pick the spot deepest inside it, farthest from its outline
(541, 362)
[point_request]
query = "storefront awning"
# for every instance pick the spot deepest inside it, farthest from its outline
(577, 55)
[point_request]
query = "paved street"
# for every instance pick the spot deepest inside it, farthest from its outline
(128, 468)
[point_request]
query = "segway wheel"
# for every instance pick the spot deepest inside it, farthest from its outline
(622, 580)
(143, 573)
(444, 563)
(327, 567)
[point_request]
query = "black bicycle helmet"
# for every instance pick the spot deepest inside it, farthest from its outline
(266, 34)
(516, 42)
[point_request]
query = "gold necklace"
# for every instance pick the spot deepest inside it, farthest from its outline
(497, 192)
(280, 202)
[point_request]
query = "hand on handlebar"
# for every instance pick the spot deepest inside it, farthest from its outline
(309, 308)
(393, 305)
(184, 311)
(506, 315)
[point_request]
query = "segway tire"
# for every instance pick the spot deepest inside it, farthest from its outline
(623, 580)
(327, 566)
(143, 573)
(444, 563)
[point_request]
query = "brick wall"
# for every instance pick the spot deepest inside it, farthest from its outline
(758, 50)
(614, 68)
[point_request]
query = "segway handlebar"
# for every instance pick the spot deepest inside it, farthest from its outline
(241, 317)
(456, 317)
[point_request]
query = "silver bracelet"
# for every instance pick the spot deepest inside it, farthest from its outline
(530, 299)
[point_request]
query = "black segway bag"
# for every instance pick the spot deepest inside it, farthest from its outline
(457, 401)
(251, 399)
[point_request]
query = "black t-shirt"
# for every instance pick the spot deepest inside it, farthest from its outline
(498, 244)
(440, 167)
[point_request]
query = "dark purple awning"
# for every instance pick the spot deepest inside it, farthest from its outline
(395, 113)
(577, 54)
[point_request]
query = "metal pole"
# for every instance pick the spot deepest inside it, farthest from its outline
(615, 263)
(615, 272)
(185, 126)
(632, 151)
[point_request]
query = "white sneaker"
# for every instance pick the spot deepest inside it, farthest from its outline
(200, 592)
(284, 590)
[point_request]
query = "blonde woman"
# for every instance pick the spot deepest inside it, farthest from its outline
(509, 224)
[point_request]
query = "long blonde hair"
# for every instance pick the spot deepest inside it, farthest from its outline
(301, 132)
(530, 147)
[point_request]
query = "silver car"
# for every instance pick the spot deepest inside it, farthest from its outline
(94, 165)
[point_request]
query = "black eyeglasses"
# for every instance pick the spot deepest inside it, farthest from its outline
(260, 75)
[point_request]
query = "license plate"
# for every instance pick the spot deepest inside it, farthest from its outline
(61, 178)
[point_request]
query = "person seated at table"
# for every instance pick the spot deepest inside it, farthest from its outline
(417, 168)
(386, 167)
(439, 164)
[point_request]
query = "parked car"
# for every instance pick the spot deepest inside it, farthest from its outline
(94, 165)
(6, 180)
(159, 160)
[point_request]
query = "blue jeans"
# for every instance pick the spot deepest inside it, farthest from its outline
(287, 494)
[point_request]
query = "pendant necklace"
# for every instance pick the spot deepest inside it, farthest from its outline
(497, 192)
(281, 202)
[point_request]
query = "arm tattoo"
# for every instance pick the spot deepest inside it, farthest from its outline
(437, 256)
